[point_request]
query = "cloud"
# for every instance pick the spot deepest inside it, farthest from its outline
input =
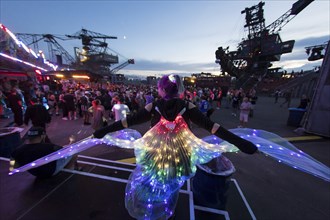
(296, 60)
(158, 65)
(311, 41)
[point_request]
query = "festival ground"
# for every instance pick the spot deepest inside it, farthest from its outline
(261, 188)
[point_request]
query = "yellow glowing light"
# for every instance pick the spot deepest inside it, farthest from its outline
(84, 58)
(80, 76)
(59, 75)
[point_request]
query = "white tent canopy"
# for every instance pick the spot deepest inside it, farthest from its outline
(318, 117)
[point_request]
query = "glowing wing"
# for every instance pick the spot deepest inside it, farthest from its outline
(123, 138)
(284, 152)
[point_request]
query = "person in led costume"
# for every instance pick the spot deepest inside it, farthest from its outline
(166, 156)
(168, 153)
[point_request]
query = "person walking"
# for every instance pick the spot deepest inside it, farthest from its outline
(16, 105)
(85, 105)
(219, 98)
(245, 109)
(70, 102)
(276, 95)
(98, 111)
(235, 104)
(287, 97)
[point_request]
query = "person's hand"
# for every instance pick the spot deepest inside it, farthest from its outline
(244, 145)
(100, 133)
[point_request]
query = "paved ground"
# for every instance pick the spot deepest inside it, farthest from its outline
(272, 190)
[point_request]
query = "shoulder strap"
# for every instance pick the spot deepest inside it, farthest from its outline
(180, 113)
(157, 109)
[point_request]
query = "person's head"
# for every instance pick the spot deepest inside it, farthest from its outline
(96, 102)
(245, 99)
(14, 91)
(116, 100)
(36, 135)
(34, 101)
(170, 86)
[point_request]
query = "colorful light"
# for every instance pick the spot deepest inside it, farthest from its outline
(27, 49)
(167, 155)
(21, 61)
(80, 76)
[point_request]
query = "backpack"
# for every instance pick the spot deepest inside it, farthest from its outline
(204, 106)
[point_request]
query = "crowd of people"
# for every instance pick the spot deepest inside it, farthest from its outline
(98, 104)
(166, 155)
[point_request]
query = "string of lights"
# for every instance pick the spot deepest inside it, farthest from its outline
(29, 51)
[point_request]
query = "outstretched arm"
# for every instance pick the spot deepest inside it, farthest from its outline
(201, 120)
(141, 116)
(242, 144)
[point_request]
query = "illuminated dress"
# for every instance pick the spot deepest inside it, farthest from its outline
(167, 155)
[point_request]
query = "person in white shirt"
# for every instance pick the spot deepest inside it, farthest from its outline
(244, 114)
(119, 110)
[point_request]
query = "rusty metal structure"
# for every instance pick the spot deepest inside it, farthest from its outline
(263, 45)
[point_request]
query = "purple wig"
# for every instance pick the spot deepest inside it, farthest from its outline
(172, 85)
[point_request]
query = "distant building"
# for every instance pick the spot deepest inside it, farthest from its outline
(151, 80)
(117, 78)
(207, 80)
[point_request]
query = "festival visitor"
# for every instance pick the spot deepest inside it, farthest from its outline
(276, 95)
(37, 113)
(287, 98)
(245, 109)
(153, 187)
(168, 153)
(119, 109)
(84, 105)
(16, 104)
(38, 145)
(204, 105)
(304, 101)
(70, 103)
(3, 105)
(98, 111)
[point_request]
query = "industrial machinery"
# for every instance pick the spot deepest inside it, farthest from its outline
(316, 52)
(93, 56)
(56, 52)
(263, 45)
(119, 67)
(94, 53)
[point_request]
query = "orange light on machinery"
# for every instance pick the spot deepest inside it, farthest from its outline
(59, 75)
(80, 76)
